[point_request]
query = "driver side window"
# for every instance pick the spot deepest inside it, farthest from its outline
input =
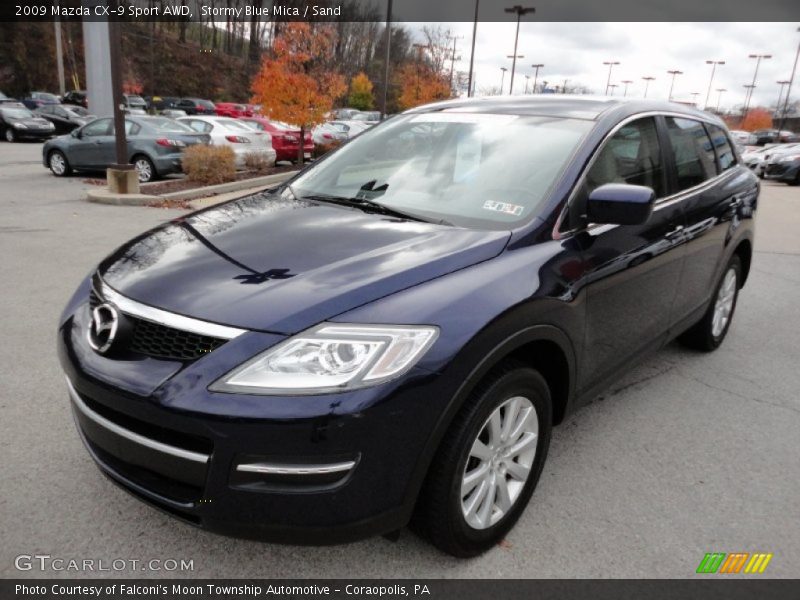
(633, 156)
(97, 128)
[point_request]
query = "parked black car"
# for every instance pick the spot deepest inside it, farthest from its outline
(161, 103)
(76, 97)
(396, 329)
(37, 99)
(18, 123)
(65, 117)
(196, 106)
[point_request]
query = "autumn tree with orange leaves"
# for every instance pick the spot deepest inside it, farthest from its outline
(757, 118)
(419, 84)
(293, 85)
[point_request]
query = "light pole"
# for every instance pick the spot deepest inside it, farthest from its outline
(627, 82)
(610, 64)
(752, 86)
(719, 98)
(454, 58)
(472, 52)
(713, 64)
(564, 89)
(536, 76)
(694, 96)
(746, 107)
(514, 57)
(612, 87)
(672, 85)
(780, 96)
(527, 78)
(519, 10)
(386, 57)
(503, 79)
(647, 81)
(789, 89)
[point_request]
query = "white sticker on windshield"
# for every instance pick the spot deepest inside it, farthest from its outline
(504, 207)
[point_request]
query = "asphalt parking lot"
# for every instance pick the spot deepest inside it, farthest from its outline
(687, 454)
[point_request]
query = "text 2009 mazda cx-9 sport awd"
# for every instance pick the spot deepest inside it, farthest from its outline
(390, 337)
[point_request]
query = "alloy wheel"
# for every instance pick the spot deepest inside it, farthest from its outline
(724, 303)
(57, 163)
(499, 463)
(145, 170)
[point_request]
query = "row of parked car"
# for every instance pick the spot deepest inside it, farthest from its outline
(779, 162)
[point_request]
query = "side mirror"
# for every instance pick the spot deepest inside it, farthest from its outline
(620, 204)
(76, 133)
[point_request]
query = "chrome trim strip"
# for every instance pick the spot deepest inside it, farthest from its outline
(163, 317)
(284, 469)
(130, 435)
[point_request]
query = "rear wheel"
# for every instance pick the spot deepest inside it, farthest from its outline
(145, 169)
(708, 333)
(58, 164)
(488, 463)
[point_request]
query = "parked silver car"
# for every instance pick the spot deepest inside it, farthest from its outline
(155, 147)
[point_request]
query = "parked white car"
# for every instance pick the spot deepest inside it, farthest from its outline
(758, 158)
(329, 133)
(744, 138)
(229, 132)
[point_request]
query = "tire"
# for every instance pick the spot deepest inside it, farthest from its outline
(452, 521)
(58, 163)
(707, 334)
(144, 166)
(10, 135)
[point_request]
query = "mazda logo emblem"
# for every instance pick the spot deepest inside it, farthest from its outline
(103, 327)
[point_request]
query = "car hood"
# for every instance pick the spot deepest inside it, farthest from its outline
(36, 122)
(272, 264)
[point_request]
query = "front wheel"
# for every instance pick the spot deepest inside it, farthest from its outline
(708, 333)
(488, 463)
(10, 136)
(58, 163)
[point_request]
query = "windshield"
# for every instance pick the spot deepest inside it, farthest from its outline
(77, 110)
(18, 113)
(473, 170)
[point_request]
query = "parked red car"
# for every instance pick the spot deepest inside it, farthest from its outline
(235, 111)
(285, 138)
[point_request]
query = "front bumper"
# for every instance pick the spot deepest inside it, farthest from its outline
(34, 134)
(782, 171)
(325, 469)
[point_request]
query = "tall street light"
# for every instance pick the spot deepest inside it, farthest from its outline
(674, 73)
(759, 58)
(514, 57)
(789, 89)
(647, 81)
(519, 10)
(780, 96)
(610, 64)
(472, 52)
(503, 79)
(527, 78)
(612, 87)
(747, 95)
(694, 96)
(713, 64)
(719, 98)
(627, 82)
(536, 76)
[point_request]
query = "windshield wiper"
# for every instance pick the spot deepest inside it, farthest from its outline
(370, 206)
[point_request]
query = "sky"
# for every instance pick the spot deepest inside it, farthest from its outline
(576, 52)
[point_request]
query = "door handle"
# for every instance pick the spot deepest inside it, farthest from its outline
(736, 202)
(677, 232)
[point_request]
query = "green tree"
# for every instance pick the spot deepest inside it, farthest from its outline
(361, 93)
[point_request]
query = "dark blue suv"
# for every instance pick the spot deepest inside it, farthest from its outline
(389, 337)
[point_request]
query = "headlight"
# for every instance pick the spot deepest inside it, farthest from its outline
(331, 358)
(790, 158)
(19, 125)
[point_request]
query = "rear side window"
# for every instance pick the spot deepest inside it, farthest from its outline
(725, 153)
(694, 155)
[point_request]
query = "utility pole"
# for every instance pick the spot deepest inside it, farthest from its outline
(536, 76)
(62, 87)
(647, 81)
(713, 64)
(789, 89)
(672, 85)
(470, 86)
(453, 58)
(610, 64)
(386, 57)
(519, 10)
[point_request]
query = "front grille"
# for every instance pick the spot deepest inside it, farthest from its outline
(777, 169)
(160, 341)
